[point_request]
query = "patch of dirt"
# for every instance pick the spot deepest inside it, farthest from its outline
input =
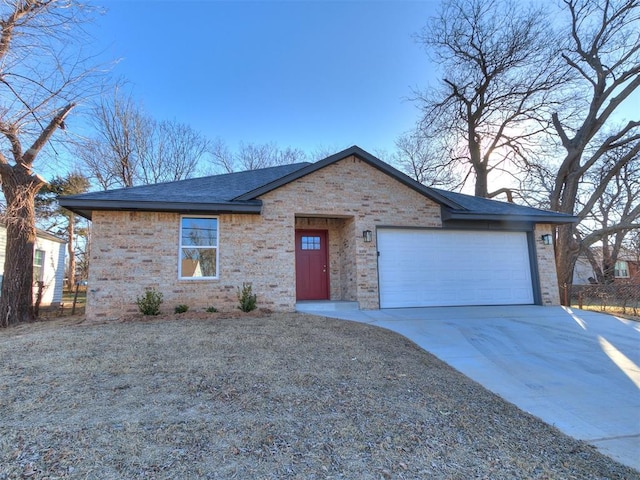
(260, 397)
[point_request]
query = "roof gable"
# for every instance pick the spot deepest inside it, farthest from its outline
(362, 155)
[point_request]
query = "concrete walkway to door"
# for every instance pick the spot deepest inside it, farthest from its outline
(576, 370)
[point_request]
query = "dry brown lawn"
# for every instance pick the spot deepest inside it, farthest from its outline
(274, 396)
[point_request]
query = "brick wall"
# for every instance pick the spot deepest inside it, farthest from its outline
(545, 255)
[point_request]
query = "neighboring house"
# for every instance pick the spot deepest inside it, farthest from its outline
(48, 265)
(349, 227)
(626, 269)
(583, 273)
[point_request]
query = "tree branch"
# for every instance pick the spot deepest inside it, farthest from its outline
(507, 191)
(566, 143)
(30, 155)
(21, 10)
(597, 235)
(9, 131)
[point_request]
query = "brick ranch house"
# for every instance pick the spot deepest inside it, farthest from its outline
(349, 227)
(626, 269)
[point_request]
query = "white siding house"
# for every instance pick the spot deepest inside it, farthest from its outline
(49, 263)
(583, 271)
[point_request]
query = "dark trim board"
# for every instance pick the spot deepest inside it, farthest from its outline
(535, 271)
(85, 208)
(492, 225)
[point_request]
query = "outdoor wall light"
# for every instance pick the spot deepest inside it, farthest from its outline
(367, 235)
(546, 239)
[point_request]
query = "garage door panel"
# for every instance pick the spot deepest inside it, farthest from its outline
(437, 268)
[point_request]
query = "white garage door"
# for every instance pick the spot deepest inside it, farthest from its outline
(421, 268)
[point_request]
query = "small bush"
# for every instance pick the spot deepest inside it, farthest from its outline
(211, 310)
(246, 298)
(149, 303)
(181, 308)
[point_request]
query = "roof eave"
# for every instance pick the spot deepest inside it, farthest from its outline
(85, 207)
(49, 236)
(551, 218)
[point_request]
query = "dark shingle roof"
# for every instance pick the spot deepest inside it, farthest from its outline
(239, 192)
(484, 208)
(213, 193)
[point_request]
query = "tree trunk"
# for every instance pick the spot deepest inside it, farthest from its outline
(71, 275)
(480, 168)
(608, 275)
(482, 181)
(16, 297)
(567, 250)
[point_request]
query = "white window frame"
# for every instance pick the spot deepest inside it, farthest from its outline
(216, 247)
(617, 269)
(44, 256)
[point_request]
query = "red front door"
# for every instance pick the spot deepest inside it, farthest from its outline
(312, 262)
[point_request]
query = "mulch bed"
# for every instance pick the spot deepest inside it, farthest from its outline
(260, 397)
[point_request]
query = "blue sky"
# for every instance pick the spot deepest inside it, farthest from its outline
(305, 74)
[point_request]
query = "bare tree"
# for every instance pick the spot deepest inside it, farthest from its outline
(604, 57)
(497, 83)
(616, 213)
(170, 151)
(111, 153)
(41, 80)
(130, 148)
(252, 156)
(420, 158)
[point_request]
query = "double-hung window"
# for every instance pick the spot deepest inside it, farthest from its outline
(621, 269)
(198, 247)
(38, 265)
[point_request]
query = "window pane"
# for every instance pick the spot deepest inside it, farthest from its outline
(38, 258)
(621, 269)
(198, 262)
(200, 232)
(38, 263)
(310, 243)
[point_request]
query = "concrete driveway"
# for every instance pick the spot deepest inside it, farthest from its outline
(576, 370)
